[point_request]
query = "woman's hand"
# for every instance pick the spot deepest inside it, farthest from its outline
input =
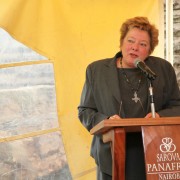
(149, 115)
(115, 117)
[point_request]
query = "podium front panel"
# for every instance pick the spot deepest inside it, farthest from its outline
(162, 152)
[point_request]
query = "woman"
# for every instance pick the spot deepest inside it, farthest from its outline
(115, 88)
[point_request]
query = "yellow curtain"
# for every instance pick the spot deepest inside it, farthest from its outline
(73, 33)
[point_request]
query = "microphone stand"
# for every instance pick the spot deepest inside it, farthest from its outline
(151, 98)
(150, 76)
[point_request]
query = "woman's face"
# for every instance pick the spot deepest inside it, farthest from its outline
(136, 45)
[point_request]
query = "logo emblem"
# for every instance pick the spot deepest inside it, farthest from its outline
(167, 145)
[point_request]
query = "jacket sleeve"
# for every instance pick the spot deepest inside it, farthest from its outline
(172, 106)
(87, 110)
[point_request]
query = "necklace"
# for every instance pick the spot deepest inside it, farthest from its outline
(135, 91)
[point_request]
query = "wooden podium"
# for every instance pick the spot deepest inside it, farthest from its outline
(161, 140)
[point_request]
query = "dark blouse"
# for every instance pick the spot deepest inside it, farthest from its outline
(135, 165)
(131, 108)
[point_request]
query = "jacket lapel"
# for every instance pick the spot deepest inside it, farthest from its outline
(112, 80)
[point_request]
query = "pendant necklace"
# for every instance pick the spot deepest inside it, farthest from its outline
(135, 91)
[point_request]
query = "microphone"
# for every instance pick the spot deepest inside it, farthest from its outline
(145, 69)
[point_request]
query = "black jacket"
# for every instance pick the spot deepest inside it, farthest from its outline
(101, 98)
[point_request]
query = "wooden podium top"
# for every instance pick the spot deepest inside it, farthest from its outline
(133, 123)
